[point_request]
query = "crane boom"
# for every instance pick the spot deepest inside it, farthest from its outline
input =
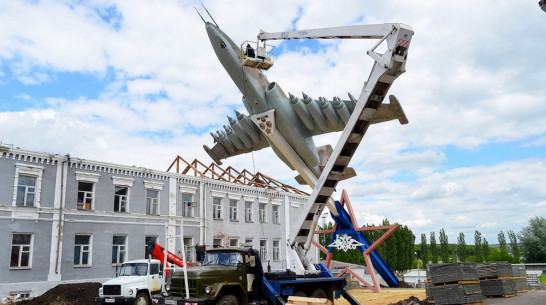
(387, 67)
(362, 31)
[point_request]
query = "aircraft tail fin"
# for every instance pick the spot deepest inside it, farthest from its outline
(397, 109)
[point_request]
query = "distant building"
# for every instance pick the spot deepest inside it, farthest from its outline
(63, 218)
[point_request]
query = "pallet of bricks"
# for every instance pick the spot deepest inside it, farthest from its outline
(520, 278)
(454, 283)
(496, 279)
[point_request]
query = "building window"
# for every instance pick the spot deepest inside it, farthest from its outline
(21, 251)
(276, 251)
(262, 213)
(82, 250)
(263, 249)
(276, 214)
(216, 242)
(119, 249)
(216, 208)
(248, 211)
(187, 205)
(249, 241)
(121, 193)
(233, 210)
(234, 242)
(148, 240)
(152, 202)
(120, 199)
(20, 294)
(86, 189)
(27, 185)
(26, 189)
(85, 195)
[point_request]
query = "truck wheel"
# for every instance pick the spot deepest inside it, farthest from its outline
(299, 293)
(141, 299)
(228, 299)
(318, 293)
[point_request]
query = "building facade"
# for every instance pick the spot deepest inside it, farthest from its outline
(65, 219)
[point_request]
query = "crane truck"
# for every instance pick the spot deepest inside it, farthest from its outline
(224, 278)
(138, 280)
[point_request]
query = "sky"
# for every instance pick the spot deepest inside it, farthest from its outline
(137, 83)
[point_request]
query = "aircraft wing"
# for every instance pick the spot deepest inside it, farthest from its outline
(242, 136)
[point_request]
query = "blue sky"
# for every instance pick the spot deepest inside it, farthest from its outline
(137, 83)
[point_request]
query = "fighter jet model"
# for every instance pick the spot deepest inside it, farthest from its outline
(297, 120)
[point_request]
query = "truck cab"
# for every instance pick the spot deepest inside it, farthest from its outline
(136, 281)
(223, 278)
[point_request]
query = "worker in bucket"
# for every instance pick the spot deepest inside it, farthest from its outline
(253, 259)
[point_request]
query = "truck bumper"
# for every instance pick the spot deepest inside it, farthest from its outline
(109, 300)
(157, 299)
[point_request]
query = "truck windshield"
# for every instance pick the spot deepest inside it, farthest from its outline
(223, 258)
(132, 269)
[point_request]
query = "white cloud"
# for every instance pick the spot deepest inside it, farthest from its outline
(471, 81)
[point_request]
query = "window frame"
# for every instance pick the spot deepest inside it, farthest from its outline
(119, 259)
(89, 251)
(152, 202)
(275, 214)
(188, 207)
(248, 211)
(29, 171)
(276, 250)
(21, 251)
(262, 213)
(217, 208)
(93, 179)
(263, 249)
(233, 209)
(154, 186)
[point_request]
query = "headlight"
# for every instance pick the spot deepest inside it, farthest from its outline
(168, 287)
(100, 291)
(208, 289)
(130, 291)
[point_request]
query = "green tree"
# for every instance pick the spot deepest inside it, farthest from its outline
(433, 248)
(533, 240)
(478, 245)
(424, 249)
(405, 244)
(514, 246)
(502, 244)
(461, 248)
(444, 246)
(485, 249)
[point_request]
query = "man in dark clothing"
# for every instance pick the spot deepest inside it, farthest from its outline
(250, 51)
(256, 268)
(200, 252)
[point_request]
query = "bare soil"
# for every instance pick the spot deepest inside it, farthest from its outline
(67, 294)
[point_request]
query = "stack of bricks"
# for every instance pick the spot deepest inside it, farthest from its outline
(455, 283)
(520, 278)
(496, 279)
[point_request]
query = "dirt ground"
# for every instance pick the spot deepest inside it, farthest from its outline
(67, 294)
